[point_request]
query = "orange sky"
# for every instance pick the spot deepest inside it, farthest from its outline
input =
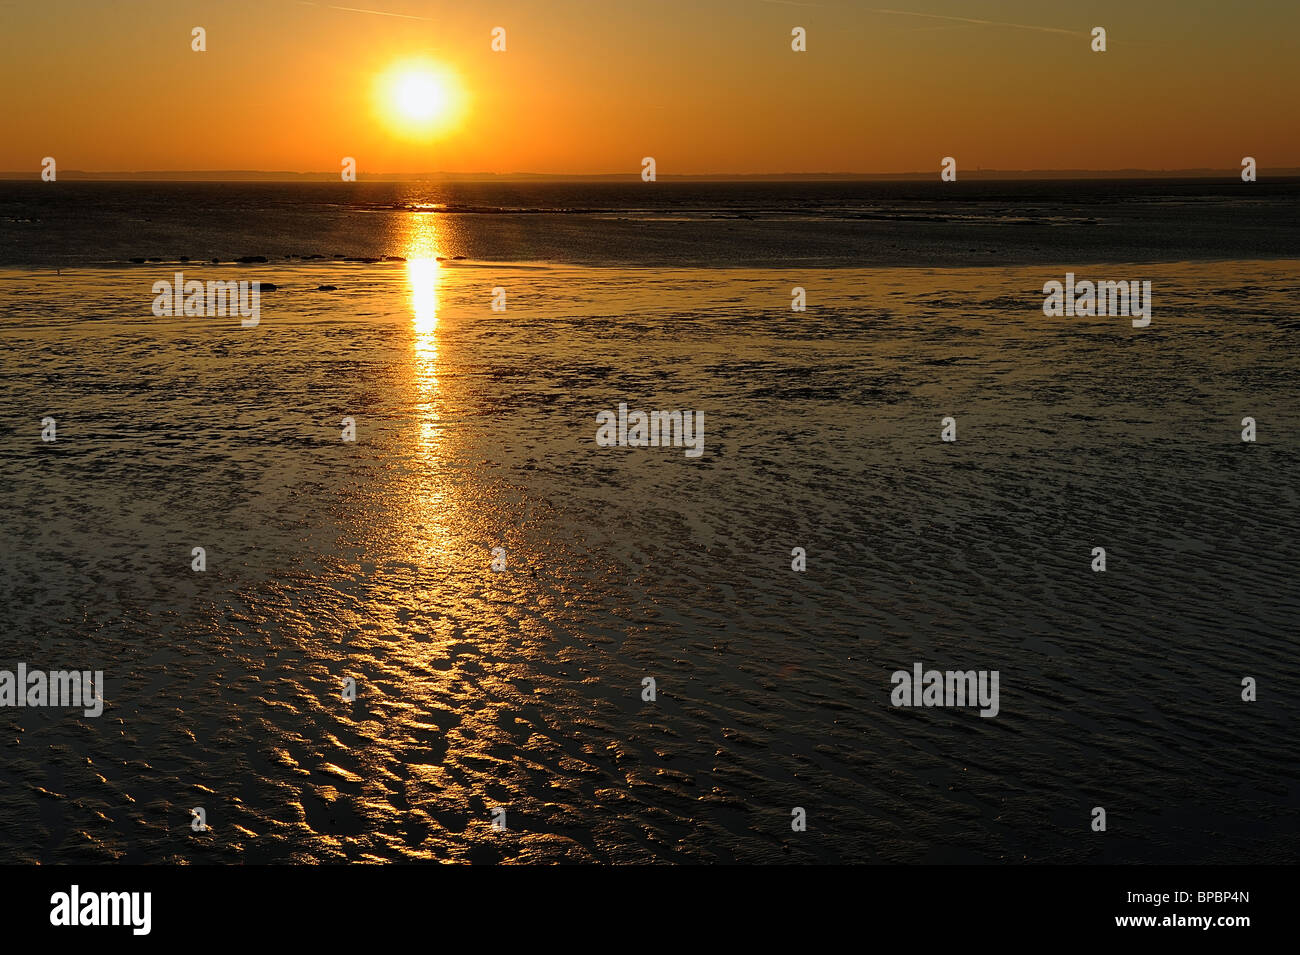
(704, 86)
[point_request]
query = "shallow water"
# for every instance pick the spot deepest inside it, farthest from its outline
(668, 224)
(522, 688)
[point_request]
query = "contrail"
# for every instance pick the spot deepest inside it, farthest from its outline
(378, 13)
(988, 23)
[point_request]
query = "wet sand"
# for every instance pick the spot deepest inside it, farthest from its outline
(522, 689)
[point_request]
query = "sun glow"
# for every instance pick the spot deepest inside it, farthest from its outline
(420, 98)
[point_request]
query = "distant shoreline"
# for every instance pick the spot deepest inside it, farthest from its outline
(987, 175)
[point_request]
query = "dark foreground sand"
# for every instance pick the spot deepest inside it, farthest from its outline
(522, 688)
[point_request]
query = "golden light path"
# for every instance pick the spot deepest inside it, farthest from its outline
(422, 276)
(432, 499)
(420, 248)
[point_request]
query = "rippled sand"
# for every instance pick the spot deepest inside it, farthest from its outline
(522, 689)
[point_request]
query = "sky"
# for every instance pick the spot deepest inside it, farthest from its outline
(703, 86)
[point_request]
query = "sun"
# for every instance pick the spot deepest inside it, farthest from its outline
(420, 98)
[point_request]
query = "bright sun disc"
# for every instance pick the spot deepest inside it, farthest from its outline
(419, 98)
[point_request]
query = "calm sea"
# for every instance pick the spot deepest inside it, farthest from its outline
(660, 224)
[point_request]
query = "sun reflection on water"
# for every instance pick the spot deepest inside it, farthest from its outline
(420, 248)
(429, 500)
(422, 277)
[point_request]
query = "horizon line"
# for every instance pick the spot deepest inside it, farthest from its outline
(267, 175)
